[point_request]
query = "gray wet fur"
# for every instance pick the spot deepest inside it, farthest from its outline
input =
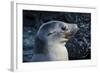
(41, 50)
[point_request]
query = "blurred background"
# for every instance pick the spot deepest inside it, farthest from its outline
(79, 47)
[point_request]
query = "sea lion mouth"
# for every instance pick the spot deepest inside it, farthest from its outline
(67, 35)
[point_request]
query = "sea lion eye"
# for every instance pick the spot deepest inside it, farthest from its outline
(63, 28)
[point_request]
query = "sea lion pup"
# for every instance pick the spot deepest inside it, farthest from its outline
(50, 41)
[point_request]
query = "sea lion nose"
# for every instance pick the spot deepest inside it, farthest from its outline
(74, 29)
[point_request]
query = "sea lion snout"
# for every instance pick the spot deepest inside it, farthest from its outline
(72, 29)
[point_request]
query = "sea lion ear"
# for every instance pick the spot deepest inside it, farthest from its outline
(49, 34)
